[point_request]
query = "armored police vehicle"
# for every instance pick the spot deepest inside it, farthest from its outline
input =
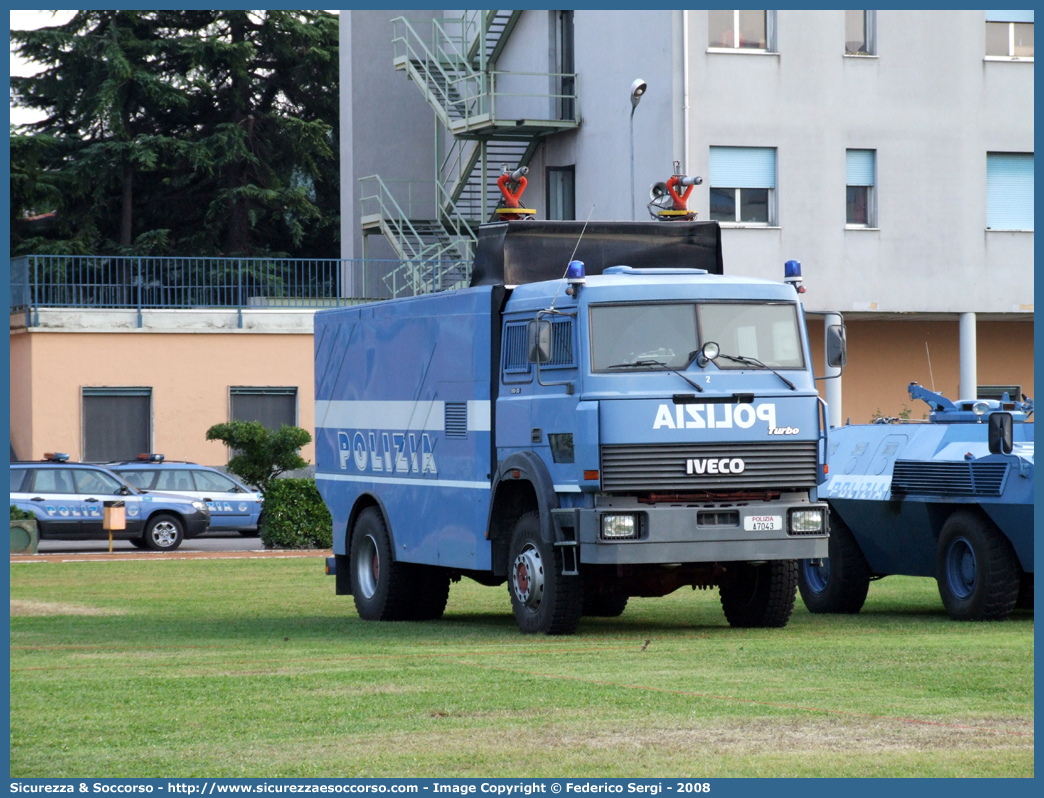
(951, 498)
(640, 424)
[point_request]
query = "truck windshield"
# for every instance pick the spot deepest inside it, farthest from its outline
(762, 331)
(654, 336)
(647, 336)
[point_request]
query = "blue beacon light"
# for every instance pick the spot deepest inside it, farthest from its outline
(575, 276)
(792, 275)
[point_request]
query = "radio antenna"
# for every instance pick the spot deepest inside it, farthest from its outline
(932, 376)
(575, 248)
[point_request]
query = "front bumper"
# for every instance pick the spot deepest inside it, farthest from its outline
(675, 534)
(196, 524)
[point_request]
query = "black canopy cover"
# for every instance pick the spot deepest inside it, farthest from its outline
(513, 253)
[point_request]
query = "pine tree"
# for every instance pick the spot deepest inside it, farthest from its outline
(192, 132)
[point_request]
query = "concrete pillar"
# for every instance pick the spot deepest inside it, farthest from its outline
(835, 418)
(969, 367)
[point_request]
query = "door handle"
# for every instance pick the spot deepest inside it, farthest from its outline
(37, 499)
(207, 499)
(90, 500)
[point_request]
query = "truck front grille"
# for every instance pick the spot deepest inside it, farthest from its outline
(685, 466)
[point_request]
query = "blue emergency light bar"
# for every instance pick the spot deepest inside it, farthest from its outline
(151, 458)
(56, 457)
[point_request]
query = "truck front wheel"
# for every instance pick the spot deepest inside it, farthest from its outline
(544, 601)
(839, 583)
(759, 595)
(382, 589)
(976, 568)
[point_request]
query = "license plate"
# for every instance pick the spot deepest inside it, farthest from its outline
(763, 523)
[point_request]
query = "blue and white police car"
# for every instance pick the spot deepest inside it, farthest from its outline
(233, 506)
(68, 500)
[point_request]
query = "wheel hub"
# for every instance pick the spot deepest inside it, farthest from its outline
(165, 534)
(961, 568)
(528, 577)
(817, 573)
(368, 567)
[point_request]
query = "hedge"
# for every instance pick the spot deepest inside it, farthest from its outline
(295, 517)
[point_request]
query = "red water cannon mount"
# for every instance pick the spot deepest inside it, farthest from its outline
(666, 204)
(511, 185)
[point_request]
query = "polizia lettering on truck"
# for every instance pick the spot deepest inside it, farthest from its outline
(642, 424)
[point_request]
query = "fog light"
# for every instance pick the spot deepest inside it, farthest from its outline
(806, 521)
(619, 527)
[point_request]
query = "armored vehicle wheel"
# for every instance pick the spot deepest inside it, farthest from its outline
(383, 590)
(759, 595)
(976, 568)
(838, 583)
(1025, 599)
(163, 533)
(604, 605)
(432, 591)
(544, 601)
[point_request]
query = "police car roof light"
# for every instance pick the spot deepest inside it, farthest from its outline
(151, 458)
(56, 457)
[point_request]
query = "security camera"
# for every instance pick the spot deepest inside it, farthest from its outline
(637, 90)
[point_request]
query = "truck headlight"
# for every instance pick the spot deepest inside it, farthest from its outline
(619, 526)
(806, 522)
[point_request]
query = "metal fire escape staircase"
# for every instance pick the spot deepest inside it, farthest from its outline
(487, 119)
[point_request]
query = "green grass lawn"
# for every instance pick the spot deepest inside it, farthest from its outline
(255, 668)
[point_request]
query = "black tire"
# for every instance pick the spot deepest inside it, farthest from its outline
(604, 605)
(1025, 599)
(759, 595)
(976, 568)
(431, 585)
(249, 533)
(383, 589)
(163, 533)
(138, 543)
(838, 583)
(544, 601)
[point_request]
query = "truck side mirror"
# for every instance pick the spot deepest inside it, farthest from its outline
(1000, 434)
(539, 340)
(837, 346)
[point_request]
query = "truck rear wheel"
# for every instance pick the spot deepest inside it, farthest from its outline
(976, 568)
(759, 595)
(383, 590)
(839, 583)
(431, 586)
(543, 600)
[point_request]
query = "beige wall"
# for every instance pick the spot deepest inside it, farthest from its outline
(21, 394)
(190, 376)
(886, 356)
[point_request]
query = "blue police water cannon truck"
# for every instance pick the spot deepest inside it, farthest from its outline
(639, 424)
(951, 498)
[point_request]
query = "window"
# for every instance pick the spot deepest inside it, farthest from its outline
(860, 32)
(273, 407)
(561, 192)
(565, 66)
(742, 185)
(17, 478)
(208, 480)
(763, 331)
(96, 482)
(117, 423)
(142, 480)
(1009, 34)
(174, 479)
(997, 392)
(53, 480)
(642, 337)
(1009, 191)
(741, 31)
(859, 180)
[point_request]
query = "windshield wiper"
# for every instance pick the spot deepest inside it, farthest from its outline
(750, 361)
(659, 363)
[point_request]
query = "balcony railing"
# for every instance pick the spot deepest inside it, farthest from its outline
(129, 283)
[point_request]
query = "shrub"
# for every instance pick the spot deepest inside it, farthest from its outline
(22, 515)
(295, 516)
(261, 455)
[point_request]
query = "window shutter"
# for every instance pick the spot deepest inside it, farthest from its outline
(743, 167)
(859, 167)
(1009, 16)
(1009, 191)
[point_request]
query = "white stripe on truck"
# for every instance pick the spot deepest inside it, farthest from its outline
(396, 415)
(424, 483)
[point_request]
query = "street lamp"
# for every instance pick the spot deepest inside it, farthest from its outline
(637, 90)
